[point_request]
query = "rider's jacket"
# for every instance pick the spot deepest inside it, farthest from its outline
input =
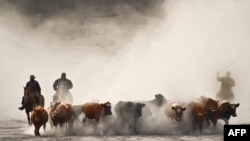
(227, 83)
(34, 86)
(64, 83)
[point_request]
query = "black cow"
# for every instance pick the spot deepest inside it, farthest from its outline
(226, 110)
(128, 113)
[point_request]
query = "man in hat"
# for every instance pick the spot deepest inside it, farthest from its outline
(34, 86)
(226, 87)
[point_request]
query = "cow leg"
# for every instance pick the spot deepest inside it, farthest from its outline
(172, 120)
(99, 129)
(200, 129)
(97, 119)
(84, 119)
(71, 125)
(38, 128)
(35, 131)
(66, 124)
(194, 124)
(44, 126)
(214, 124)
(226, 121)
(208, 122)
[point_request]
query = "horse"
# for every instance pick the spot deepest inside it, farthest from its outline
(63, 95)
(30, 102)
(225, 95)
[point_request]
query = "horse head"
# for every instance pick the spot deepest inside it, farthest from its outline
(27, 93)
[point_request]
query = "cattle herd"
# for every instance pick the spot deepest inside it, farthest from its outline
(200, 112)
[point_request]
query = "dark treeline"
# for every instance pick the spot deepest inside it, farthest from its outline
(53, 6)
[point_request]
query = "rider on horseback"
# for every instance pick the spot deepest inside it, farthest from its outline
(62, 83)
(226, 86)
(34, 86)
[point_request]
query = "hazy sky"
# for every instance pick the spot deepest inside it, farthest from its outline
(127, 57)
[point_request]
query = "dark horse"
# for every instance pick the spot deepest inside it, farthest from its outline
(30, 102)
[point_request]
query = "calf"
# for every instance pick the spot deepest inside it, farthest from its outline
(39, 117)
(226, 110)
(197, 114)
(174, 111)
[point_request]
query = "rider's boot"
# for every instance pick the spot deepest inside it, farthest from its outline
(22, 107)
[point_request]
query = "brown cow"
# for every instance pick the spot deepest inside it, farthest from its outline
(96, 110)
(197, 114)
(39, 117)
(174, 111)
(61, 113)
(211, 107)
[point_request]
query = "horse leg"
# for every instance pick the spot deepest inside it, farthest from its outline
(28, 117)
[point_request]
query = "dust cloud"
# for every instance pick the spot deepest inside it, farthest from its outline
(126, 54)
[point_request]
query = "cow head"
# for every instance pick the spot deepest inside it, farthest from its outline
(107, 108)
(137, 108)
(54, 118)
(232, 109)
(178, 112)
(228, 109)
(38, 111)
(53, 113)
(213, 114)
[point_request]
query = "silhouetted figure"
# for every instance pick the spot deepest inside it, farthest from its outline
(227, 83)
(62, 86)
(34, 86)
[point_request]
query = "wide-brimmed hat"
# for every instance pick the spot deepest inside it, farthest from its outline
(32, 76)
